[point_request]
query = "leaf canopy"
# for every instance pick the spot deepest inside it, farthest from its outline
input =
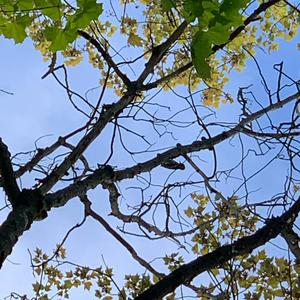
(62, 20)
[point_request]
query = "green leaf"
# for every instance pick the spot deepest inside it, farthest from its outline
(189, 212)
(7, 6)
(25, 4)
(88, 10)
(216, 20)
(134, 40)
(68, 284)
(167, 4)
(217, 196)
(230, 9)
(201, 49)
(59, 38)
(192, 9)
(50, 8)
(218, 34)
(232, 6)
(15, 30)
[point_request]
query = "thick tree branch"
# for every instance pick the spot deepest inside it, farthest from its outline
(9, 183)
(79, 188)
(188, 272)
(101, 175)
(29, 207)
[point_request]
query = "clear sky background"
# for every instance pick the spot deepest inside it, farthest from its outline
(40, 107)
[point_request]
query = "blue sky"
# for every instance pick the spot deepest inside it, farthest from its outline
(39, 107)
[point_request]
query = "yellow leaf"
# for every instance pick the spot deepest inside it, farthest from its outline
(155, 279)
(273, 281)
(297, 268)
(281, 263)
(278, 293)
(134, 40)
(36, 287)
(262, 255)
(204, 250)
(74, 61)
(87, 285)
(76, 282)
(189, 212)
(216, 272)
(195, 248)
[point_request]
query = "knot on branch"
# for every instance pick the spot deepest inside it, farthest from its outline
(107, 174)
(33, 202)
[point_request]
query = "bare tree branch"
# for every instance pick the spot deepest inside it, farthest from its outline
(106, 56)
(200, 145)
(118, 237)
(188, 272)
